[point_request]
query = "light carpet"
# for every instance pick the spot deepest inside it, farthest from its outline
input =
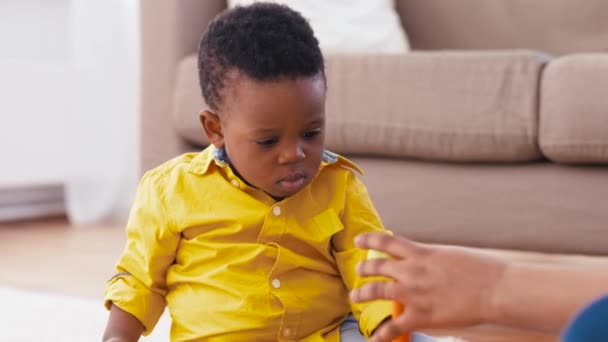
(43, 317)
(28, 316)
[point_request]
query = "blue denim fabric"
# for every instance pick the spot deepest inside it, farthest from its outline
(349, 332)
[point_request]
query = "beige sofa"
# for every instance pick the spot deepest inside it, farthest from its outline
(493, 132)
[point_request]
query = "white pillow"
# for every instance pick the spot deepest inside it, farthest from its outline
(350, 26)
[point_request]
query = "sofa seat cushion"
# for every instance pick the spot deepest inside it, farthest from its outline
(574, 109)
(539, 206)
(447, 106)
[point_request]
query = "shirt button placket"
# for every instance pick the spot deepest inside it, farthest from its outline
(276, 283)
(286, 332)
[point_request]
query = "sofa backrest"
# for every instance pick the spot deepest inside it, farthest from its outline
(554, 26)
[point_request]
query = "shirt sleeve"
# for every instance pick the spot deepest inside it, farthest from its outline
(359, 216)
(139, 286)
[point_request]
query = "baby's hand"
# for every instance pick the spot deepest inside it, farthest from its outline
(440, 286)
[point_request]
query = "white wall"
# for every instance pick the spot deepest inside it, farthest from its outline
(102, 126)
(34, 79)
(69, 102)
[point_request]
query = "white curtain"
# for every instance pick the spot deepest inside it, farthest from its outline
(102, 126)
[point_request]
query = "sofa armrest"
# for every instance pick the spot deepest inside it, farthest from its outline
(169, 31)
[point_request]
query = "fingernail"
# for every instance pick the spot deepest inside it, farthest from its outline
(359, 268)
(374, 254)
(358, 240)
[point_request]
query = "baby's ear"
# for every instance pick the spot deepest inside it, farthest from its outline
(212, 127)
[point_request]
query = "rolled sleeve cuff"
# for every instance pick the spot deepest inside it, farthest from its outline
(131, 296)
(373, 315)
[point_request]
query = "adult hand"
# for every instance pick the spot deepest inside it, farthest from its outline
(439, 286)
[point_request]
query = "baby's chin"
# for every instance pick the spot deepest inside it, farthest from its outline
(285, 189)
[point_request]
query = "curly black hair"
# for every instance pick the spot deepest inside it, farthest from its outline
(263, 41)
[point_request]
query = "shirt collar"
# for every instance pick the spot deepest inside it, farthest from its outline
(218, 156)
(330, 158)
(211, 155)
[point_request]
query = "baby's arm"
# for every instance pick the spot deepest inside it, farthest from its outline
(359, 216)
(135, 296)
(122, 327)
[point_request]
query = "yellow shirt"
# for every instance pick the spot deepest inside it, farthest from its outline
(233, 264)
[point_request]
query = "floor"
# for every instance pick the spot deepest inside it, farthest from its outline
(50, 256)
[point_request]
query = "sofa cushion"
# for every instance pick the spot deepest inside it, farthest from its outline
(362, 25)
(574, 109)
(555, 26)
(448, 106)
(537, 206)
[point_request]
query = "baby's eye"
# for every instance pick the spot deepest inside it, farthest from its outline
(267, 142)
(312, 134)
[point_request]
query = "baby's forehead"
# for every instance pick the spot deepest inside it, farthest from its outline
(235, 77)
(271, 104)
(242, 88)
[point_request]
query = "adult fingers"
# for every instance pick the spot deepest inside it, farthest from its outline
(393, 245)
(379, 267)
(393, 328)
(378, 290)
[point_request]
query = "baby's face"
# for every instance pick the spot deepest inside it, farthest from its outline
(274, 131)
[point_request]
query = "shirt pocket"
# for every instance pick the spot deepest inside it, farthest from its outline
(326, 225)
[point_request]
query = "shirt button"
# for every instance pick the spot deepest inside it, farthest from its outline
(276, 211)
(235, 182)
(276, 283)
(286, 332)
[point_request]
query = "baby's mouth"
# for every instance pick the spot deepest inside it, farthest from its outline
(293, 181)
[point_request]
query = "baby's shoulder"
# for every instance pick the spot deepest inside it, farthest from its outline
(178, 164)
(169, 172)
